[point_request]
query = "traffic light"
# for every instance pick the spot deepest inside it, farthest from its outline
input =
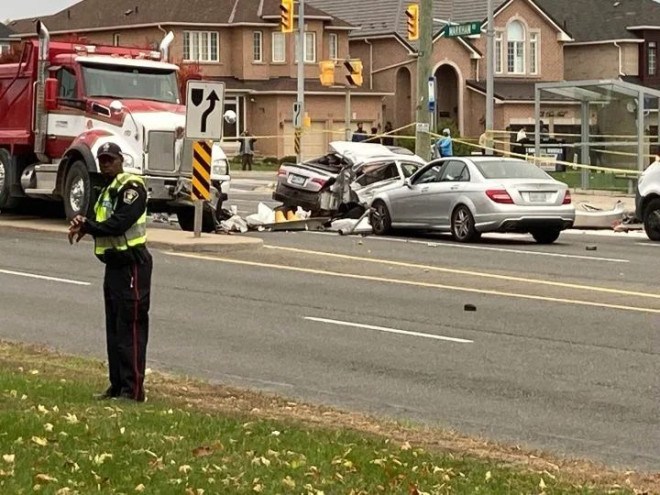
(286, 16)
(327, 72)
(412, 15)
(354, 76)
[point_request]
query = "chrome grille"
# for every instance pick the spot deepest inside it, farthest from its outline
(186, 157)
(161, 151)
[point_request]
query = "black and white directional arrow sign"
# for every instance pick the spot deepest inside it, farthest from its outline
(204, 110)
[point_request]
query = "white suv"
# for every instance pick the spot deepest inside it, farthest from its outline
(648, 200)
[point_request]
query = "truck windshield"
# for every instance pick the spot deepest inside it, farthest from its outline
(140, 83)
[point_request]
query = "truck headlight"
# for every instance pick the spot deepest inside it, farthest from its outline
(219, 167)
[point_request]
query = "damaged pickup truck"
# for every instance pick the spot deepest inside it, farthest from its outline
(349, 176)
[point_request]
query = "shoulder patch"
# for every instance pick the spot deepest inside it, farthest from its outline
(130, 195)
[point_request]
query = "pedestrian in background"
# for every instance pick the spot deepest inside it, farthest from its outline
(388, 140)
(247, 150)
(444, 144)
(374, 138)
(359, 135)
(120, 242)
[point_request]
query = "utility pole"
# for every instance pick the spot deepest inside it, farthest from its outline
(490, 76)
(423, 142)
(301, 76)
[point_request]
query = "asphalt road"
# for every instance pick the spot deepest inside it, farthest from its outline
(562, 352)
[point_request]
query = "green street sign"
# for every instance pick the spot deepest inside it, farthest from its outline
(467, 29)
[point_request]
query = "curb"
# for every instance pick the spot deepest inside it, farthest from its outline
(226, 244)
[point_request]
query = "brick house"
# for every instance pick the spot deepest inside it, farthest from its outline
(536, 41)
(237, 42)
(5, 40)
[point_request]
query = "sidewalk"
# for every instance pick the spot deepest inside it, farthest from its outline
(165, 239)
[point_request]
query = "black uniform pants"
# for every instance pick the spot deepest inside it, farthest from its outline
(127, 291)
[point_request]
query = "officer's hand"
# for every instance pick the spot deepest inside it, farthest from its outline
(78, 220)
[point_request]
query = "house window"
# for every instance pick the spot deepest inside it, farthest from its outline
(515, 48)
(498, 52)
(534, 53)
(279, 48)
(201, 46)
(257, 46)
(653, 58)
(332, 52)
(115, 39)
(310, 48)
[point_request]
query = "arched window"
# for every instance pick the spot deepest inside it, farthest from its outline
(515, 35)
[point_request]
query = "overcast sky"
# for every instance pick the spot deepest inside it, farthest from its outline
(18, 9)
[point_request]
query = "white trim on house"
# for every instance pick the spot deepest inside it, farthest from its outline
(384, 37)
(605, 42)
(461, 90)
(561, 36)
(342, 93)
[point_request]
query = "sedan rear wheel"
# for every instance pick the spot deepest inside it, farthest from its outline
(462, 225)
(547, 236)
(380, 219)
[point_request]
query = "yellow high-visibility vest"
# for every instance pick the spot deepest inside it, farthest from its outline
(136, 235)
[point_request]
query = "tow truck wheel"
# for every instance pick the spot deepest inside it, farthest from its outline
(186, 217)
(652, 220)
(77, 191)
(6, 201)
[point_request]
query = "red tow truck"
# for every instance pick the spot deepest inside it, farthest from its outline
(64, 100)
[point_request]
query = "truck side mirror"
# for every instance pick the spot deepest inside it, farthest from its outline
(51, 90)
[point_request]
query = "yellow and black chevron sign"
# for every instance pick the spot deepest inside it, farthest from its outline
(201, 181)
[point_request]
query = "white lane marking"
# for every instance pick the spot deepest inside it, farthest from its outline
(655, 244)
(486, 248)
(388, 330)
(44, 277)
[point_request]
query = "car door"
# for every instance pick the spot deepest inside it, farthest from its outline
(409, 203)
(372, 178)
(454, 178)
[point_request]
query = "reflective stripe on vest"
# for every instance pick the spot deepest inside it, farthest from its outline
(136, 235)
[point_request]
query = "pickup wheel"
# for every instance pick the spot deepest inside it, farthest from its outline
(652, 219)
(186, 218)
(78, 192)
(6, 201)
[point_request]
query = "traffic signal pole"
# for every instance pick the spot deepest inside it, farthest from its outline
(490, 77)
(423, 142)
(301, 74)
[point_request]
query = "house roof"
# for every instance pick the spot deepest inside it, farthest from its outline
(4, 32)
(279, 85)
(510, 89)
(381, 17)
(89, 15)
(612, 21)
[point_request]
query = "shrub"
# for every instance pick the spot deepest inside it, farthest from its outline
(270, 160)
(288, 159)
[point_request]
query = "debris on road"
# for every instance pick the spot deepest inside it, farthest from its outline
(588, 216)
(470, 307)
(592, 248)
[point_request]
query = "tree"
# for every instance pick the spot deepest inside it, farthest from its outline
(188, 71)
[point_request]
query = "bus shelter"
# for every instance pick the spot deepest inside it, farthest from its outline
(625, 110)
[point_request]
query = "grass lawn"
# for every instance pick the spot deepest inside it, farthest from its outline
(196, 438)
(600, 181)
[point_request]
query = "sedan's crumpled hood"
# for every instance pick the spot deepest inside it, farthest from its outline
(359, 152)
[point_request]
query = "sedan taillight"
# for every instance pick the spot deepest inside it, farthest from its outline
(281, 172)
(321, 182)
(567, 198)
(499, 196)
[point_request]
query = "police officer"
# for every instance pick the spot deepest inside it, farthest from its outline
(120, 237)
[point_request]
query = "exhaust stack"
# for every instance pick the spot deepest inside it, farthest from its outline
(40, 116)
(165, 46)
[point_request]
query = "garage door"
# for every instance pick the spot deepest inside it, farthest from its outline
(315, 140)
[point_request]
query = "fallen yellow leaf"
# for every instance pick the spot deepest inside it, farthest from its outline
(9, 458)
(71, 418)
(488, 475)
(288, 482)
(185, 469)
(202, 451)
(42, 409)
(542, 484)
(48, 427)
(42, 442)
(140, 488)
(45, 478)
